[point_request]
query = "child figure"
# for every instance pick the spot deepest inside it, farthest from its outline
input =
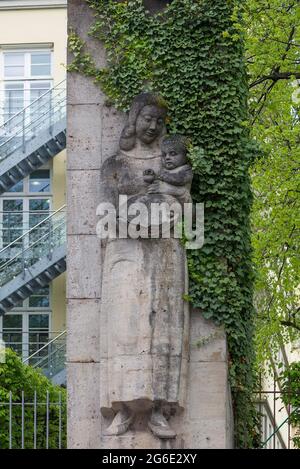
(175, 177)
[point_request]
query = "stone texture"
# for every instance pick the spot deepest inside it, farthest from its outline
(83, 91)
(83, 204)
(207, 341)
(84, 136)
(80, 19)
(83, 330)
(84, 262)
(83, 421)
(112, 125)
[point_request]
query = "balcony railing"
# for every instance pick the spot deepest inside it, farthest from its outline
(30, 247)
(42, 114)
(51, 357)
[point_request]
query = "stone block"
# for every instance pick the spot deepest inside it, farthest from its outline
(83, 90)
(84, 267)
(83, 317)
(207, 341)
(112, 125)
(83, 198)
(207, 388)
(80, 19)
(84, 136)
(83, 406)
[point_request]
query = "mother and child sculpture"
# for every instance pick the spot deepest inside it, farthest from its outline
(145, 280)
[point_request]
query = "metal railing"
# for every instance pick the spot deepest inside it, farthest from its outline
(27, 249)
(27, 343)
(15, 223)
(37, 421)
(51, 357)
(41, 114)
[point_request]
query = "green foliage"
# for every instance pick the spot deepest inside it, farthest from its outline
(192, 54)
(16, 377)
(272, 43)
(290, 386)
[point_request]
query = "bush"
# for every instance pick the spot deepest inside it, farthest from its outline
(16, 377)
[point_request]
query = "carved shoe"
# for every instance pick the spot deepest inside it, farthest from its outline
(160, 427)
(120, 424)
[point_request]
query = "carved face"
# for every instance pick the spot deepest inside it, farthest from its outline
(149, 124)
(173, 158)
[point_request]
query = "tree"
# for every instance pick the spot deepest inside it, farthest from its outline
(273, 41)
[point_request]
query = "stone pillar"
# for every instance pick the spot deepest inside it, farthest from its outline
(93, 133)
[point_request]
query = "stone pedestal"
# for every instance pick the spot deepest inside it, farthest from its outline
(93, 134)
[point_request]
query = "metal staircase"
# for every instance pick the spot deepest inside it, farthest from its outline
(33, 260)
(51, 359)
(32, 136)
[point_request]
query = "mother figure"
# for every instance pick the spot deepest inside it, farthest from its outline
(143, 287)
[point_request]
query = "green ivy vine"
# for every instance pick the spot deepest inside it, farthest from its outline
(192, 54)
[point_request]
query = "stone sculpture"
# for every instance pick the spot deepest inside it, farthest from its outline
(144, 280)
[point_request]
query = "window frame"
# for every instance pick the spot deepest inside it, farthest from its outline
(27, 64)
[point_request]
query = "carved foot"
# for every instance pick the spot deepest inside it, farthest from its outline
(120, 423)
(160, 427)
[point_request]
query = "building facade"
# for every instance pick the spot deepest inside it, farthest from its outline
(33, 41)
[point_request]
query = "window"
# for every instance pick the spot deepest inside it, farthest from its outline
(12, 220)
(27, 64)
(40, 299)
(26, 204)
(39, 181)
(27, 75)
(38, 333)
(12, 331)
(26, 331)
(13, 99)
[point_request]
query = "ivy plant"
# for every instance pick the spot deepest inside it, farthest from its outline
(192, 53)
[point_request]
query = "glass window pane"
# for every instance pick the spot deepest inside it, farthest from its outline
(17, 187)
(12, 321)
(39, 181)
(40, 298)
(39, 301)
(40, 70)
(38, 89)
(14, 65)
(39, 204)
(12, 222)
(38, 321)
(40, 58)
(13, 58)
(41, 207)
(13, 205)
(36, 341)
(41, 64)
(13, 99)
(39, 210)
(14, 72)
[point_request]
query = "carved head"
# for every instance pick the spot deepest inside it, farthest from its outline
(174, 151)
(146, 121)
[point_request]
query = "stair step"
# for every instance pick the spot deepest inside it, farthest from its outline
(52, 148)
(43, 153)
(22, 293)
(12, 178)
(48, 274)
(30, 288)
(3, 185)
(21, 171)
